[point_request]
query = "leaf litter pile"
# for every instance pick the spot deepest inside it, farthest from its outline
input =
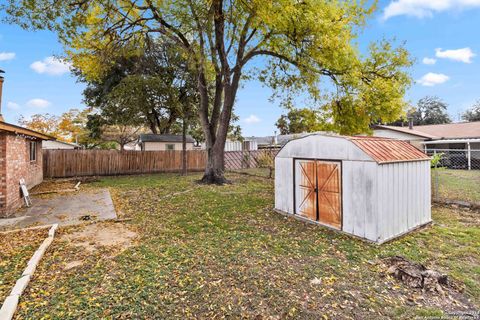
(222, 252)
(16, 248)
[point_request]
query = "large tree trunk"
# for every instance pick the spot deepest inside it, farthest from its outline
(215, 169)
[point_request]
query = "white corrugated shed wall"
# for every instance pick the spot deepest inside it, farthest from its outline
(284, 184)
(404, 197)
(359, 192)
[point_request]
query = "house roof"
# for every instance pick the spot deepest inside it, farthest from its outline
(67, 143)
(164, 138)
(385, 150)
(282, 139)
(8, 127)
(441, 131)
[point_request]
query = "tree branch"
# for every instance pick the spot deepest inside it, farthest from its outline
(168, 26)
(219, 23)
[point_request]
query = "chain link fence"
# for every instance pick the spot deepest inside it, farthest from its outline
(253, 162)
(456, 175)
(462, 159)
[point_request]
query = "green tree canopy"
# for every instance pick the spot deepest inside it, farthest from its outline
(300, 45)
(299, 120)
(153, 88)
(430, 110)
(473, 114)
(146, 88)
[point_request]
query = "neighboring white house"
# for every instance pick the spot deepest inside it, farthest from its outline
(279, 140)
(459, 143)
(413, 136)
(57, 144)
(162, 142)
(245, 145)
(435, 134)
(230, 145)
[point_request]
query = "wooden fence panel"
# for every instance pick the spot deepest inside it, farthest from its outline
(75, 163)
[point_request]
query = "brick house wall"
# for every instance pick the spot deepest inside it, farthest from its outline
(15, 164)
(3, 174)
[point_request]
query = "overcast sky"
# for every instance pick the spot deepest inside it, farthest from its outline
(441, 35)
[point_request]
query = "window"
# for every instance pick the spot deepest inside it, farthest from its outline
(33, 150)
(170, 147)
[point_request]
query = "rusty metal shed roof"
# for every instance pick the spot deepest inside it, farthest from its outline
(385, 150)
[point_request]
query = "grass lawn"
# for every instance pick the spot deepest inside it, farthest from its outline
(221, 251)
(458, 184)
(15, 251)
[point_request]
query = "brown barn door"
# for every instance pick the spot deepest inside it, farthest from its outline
(318, 191)
(329, 193)
(306, 189)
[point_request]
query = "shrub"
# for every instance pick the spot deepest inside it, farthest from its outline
(265, 160)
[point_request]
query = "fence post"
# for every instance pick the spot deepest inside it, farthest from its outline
(271, 166)
(437, 185)
(469, 156)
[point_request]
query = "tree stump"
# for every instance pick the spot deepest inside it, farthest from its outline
(416, 275)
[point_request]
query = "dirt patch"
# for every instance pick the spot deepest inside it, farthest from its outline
(459, 204)
(102, 234)
(470, 217)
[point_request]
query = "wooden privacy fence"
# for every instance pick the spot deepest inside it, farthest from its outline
(75, 163)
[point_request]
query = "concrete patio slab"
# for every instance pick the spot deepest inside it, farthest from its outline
(64, 209)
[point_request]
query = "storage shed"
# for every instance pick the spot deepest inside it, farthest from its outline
(370, 187)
